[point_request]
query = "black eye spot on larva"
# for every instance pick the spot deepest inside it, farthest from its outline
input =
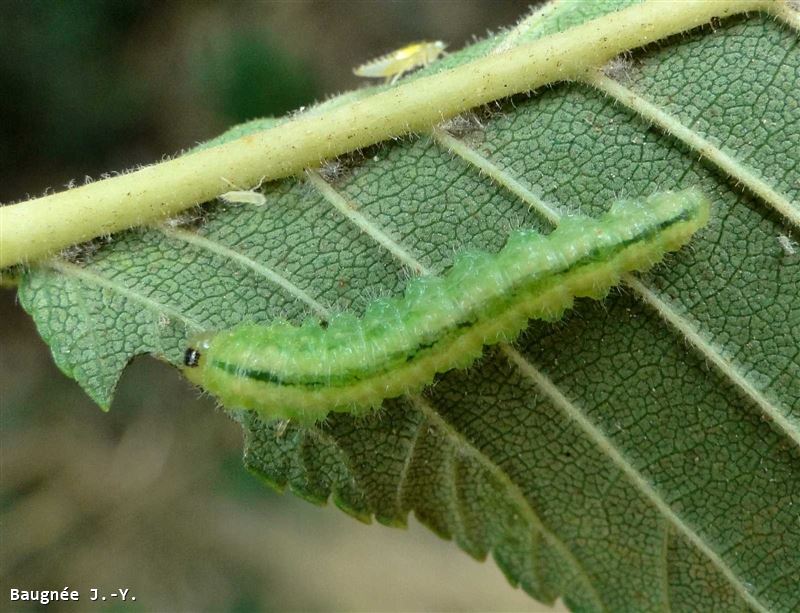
(191, 358)
(323, 324)
(358, 363)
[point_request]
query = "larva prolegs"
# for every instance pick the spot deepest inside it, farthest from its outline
(440, 323)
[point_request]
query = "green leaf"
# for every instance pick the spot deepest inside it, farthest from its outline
(644, 452)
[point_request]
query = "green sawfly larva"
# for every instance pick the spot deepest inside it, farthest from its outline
(304, 372)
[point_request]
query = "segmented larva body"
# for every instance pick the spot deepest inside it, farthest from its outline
(304, 372)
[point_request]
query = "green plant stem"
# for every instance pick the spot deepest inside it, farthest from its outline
(36, 228)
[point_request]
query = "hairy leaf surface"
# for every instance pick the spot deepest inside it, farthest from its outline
(644, 452)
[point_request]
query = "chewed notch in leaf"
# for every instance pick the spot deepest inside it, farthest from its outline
(304, 372)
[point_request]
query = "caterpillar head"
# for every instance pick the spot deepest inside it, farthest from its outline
(198, 345)
(191, 358)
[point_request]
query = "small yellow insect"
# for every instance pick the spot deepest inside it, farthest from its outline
(395, 64)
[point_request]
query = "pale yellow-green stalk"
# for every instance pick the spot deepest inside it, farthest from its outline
(36, 228)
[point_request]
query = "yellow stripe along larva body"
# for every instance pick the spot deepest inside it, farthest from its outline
(440, 323)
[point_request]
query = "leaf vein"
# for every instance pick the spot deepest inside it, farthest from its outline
(403, 477)
(665, 567)
(672, 126)
(343, 457)
(348, 210)
(515, 494)
(94, 278)
(604, 443)
(777, 413)
(450, 470)
(241, 259)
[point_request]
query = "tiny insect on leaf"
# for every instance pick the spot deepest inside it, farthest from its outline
(396, 63)
(244, 197)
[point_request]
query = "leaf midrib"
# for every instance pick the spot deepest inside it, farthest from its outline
(36, 228)
(572, 410)
(158, 307)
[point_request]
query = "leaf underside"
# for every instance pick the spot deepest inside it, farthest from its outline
(603, 458)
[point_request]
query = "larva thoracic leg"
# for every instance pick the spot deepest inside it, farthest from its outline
(304, 372)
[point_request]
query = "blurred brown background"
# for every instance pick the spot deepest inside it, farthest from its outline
(152, 496)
